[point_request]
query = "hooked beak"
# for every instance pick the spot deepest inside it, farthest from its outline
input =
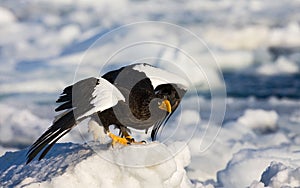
(166, 105)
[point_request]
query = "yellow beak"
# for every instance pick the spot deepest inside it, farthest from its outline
(166, 105)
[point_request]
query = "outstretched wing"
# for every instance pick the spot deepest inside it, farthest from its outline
(89, 96)
(79, 101)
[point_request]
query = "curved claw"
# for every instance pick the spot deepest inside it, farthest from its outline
(130, 139)
(125, 140)
(117, 139)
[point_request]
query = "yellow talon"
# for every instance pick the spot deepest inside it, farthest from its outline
(117, 139)
(125, 140)
(129, 138)
(132, 141)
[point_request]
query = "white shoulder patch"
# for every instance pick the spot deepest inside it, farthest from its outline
(106, 95)
(159, 76)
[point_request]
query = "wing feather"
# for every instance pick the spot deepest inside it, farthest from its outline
(159, 76)
(79, 101)
(105, 96)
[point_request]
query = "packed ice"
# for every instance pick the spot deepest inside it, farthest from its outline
(238, 126)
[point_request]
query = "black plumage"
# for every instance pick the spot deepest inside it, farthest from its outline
(136, 96)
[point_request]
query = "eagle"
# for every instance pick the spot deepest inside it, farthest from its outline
(137, 96)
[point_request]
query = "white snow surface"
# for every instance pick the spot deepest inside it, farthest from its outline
(75, 165)
(7, 16)
(259, 119)
(15, 118)
(255, 162)
(280, 66)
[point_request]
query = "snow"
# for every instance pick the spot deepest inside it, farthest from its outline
(16, 118)
(259, 119)
(7, 17)
(3, 150)
(254, 162)
(286, 36)
(48, 45)
(247, 38)
(235, 60)
(79, 165)
(280, 66)
(32, 86)
(280, 175)
(241, 152)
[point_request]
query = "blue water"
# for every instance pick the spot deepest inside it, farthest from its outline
(246, 85)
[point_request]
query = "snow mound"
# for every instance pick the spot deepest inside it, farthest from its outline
(259, 120)
(234, 60)
(253, 162)
(280, 175)
(7, 16)
(280, 66)
(74, 165)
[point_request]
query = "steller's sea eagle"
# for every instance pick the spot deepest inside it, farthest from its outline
(136, 96)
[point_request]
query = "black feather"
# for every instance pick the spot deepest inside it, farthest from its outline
(159, 126)
(46, 150)
(64, 98)
(55, 132)
(64, 106)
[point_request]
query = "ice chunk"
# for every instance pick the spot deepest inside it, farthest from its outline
(259, 120)
(280, 66)
(247, 166)
(6, 16)
(280, 175)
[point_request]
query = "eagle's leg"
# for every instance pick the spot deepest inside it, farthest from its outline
(116, 139)
(125, 134)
